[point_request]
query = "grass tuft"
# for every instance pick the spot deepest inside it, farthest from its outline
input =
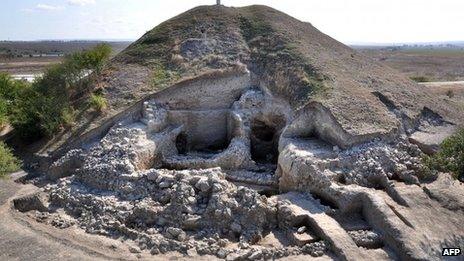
(450, 93)
(161, 77)
(420, 79)
(98, 103)
(8, 162)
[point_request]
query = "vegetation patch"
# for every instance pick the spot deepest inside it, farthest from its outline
(450, 93)
(98, 103)
(3, 113)
(450, 158)
(9, 91)
(420, 79)
(44, 107)
(161, 77)
(156, 43)
(253, 27)
(273, 54)
(8, 162)
(313, 84)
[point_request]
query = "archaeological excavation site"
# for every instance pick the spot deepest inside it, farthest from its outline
(245, 134)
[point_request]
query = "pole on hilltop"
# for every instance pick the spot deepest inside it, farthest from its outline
(218, 2)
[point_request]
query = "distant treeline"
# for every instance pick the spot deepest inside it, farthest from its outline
(57, 48)
(441, 46)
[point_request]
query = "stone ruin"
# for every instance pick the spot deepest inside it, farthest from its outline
(219, 166)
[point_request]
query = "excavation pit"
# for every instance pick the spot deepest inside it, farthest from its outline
(205, 133)
(265, 140)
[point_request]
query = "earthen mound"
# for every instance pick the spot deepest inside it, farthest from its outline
(244, 133)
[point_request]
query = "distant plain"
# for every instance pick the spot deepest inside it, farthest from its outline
(31, 58)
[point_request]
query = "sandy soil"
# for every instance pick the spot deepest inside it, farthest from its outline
(435, 65)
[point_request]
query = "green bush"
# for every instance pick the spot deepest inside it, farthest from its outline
(3, 113)
(8, 162)
(450, 158)
(44, 107)
(93, 59)
(10, 90)
(35, 115)
(98, 102)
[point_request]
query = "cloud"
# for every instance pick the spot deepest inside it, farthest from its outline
(46, 7)
(81, 2)
(27, 10)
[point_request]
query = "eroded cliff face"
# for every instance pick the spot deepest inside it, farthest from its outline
(220, 165)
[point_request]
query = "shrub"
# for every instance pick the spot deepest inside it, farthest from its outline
(35, 115)
(9, 92)
(93, 59)
(450, 158)
(68, 116)
(3, 113)
(450, 93)
(9, 87)
(43, 108)
(98, 102)
(8, 162)
(420, 78)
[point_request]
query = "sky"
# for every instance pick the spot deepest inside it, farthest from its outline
(349, 21)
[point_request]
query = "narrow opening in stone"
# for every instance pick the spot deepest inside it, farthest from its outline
(269, 192)
(325, 201)
(265, 140)
(181, 143)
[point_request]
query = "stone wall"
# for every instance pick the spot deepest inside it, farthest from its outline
(205, 129)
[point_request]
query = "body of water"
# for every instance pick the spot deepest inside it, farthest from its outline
(26, 77)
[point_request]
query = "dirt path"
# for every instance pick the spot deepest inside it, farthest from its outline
(442, 83)
(19, 241)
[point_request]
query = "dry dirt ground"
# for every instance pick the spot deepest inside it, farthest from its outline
(437, 65)
(26, 65)
(449, 92)
(14, 56)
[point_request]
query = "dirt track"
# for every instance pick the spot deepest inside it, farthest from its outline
(442, 83)
(19, 241)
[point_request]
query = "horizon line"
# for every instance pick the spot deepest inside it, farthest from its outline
(350, 43)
